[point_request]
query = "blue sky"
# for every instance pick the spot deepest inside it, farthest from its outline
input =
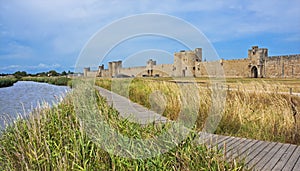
(39, 36)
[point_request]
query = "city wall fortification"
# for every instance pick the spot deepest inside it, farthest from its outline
(190, 64)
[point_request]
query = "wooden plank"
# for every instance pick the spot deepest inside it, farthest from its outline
(235, 144)
(232, 144)
(206, 138)
(236, 148)
(215, 141)
(253, 150)
(219, 139)
(245, 149)
(297, 165)
(292, 160)
(285, 158)
(264, 156)
(223, 143)
(258, 153)
(276, 157)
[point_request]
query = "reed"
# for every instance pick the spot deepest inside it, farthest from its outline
(6, 82)
(256, 110)
(51, 80)
(57, 139)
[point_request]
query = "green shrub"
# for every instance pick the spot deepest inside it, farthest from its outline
(51, 80)
(6, 82)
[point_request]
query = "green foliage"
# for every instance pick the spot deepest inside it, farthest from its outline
(56, 139)
(51, 80)
(64, 73)
(6, 82)
(20, 74)
(53, 73)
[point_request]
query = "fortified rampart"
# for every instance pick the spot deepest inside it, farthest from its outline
(283, 66)
(190, 64)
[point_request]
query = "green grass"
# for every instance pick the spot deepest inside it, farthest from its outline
(6, 82)
(247, 113)
(61, 138)
(51, 80)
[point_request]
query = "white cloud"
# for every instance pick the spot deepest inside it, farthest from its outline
(39, 67)
(252, 16)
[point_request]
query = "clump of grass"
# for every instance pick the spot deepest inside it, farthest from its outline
(57, 139)
(263, 116)
(6, 82)
(51, 80)
(259, 113)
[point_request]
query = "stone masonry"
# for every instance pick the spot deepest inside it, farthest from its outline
(189, 64)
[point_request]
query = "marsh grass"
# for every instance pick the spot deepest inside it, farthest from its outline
(6, 82)
(56, 139)
(256, 110)
(59, 80)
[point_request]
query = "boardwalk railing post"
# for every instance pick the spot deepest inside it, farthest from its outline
(291, 91)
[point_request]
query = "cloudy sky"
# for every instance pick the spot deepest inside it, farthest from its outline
(38, 35)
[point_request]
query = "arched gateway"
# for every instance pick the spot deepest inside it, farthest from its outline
(254, 72)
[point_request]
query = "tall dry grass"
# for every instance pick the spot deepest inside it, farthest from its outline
(258, 111)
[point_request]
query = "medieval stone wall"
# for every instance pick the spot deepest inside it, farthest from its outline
(163, 70)
(236, 68)
(134, 71)
(283, 66)
(190, 64)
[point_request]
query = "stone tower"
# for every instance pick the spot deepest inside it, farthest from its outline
(86, 70)
(150, 66)
(185, 62)
(257, 57)
(114, 68)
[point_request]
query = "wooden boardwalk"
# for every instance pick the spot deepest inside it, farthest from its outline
(257, 155)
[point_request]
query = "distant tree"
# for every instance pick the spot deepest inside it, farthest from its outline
(41, 74)
(20, 74)
(53, 73)
(64, 73)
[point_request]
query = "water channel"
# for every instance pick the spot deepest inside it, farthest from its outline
(24, 96)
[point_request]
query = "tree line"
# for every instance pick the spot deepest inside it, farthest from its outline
(20, 74)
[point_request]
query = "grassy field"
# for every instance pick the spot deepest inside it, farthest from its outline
(250, 84)
(57, 139)
(253, 110)
(6, 82)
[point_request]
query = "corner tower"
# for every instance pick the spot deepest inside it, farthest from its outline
(185, 62)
